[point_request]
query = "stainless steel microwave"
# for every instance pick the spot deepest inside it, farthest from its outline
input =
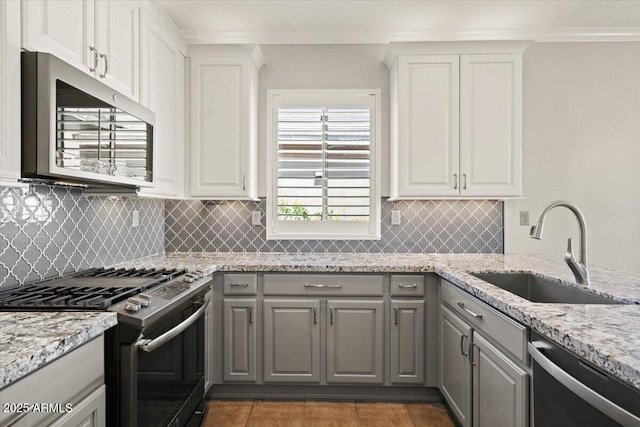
(77, 130)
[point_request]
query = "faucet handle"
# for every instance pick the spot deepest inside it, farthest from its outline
(578, 270)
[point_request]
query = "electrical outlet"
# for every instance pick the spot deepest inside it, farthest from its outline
(135, 219)
(395, 217)
(524, 217)
(256, 218)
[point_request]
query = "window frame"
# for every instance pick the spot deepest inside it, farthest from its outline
(323, 230)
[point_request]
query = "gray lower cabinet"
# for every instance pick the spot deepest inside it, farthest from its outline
(499, 388)
(89, 412)
(239, 339)
(407, 342)
(291, 340)
(355, 341)
(454, 367)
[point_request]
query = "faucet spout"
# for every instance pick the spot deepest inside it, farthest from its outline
(579, 268)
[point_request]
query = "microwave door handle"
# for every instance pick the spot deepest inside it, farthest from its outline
(598, 401)
(148, 346)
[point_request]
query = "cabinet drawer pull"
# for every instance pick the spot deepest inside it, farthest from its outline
(408, 285)
(464, 181)
(251, 314)
(331, 315)
(311, 285)
(476, 315)
(395, 315)
(239, 285)
(455, 184)
(95, 58)
(315, 316)
(462, 337)
(106, 65)
(244, 183)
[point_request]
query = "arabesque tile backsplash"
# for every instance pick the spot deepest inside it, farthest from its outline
(428, 226)
(47, 231)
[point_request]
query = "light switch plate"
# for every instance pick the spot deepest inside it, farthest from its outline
(524, 217)
(135, 219)
(256, 218)
(395, 217)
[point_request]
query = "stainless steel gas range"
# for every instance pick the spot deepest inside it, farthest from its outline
(154, 358)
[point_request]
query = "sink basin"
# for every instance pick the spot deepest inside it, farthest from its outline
(538, 289)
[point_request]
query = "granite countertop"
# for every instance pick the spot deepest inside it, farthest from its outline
(29, 340)
(606, 335)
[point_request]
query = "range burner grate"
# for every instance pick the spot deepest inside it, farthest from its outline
(95, 289)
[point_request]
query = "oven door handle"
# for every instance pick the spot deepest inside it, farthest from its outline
(148, 346)
(598, 401)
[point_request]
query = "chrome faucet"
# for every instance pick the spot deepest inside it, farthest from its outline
(579, 268)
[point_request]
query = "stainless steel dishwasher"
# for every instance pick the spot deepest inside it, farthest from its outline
(569, 392)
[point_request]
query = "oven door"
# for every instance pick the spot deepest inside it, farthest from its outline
(165, 371)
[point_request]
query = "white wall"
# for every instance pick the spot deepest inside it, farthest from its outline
(581, 142)
(324, 67)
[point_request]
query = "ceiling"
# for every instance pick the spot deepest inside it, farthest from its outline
(380, 21)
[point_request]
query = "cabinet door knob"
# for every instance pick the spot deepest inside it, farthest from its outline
(331, 315)
(455, 183)
(251, 314)
(395, 315)
(464, 181)
(315, 315)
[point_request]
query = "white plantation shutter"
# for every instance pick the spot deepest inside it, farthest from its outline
(323, 167)
(324, 164)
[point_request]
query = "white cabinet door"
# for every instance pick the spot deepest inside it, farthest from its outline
(9, 92)
(64, 28)
(454, 369)
(424, 131)
(223, 127)
(490, 125)
(118, 44)
(500, 388)
(162, 91)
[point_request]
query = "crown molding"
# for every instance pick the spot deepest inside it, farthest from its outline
(546, 35)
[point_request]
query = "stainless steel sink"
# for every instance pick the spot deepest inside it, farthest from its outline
(538, 289)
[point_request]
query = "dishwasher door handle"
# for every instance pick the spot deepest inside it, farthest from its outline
(596, 400)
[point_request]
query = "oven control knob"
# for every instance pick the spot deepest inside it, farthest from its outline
(131, 307)
(188, 279)
(145, 299)
(199, 274)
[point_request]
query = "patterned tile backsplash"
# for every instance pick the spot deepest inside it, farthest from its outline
(46, 231)
(433, 226)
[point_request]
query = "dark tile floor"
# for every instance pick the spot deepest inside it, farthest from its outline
(265, 413)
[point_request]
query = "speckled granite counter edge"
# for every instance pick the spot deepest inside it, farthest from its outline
(39, 357)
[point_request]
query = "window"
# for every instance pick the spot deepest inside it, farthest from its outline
(323, 164)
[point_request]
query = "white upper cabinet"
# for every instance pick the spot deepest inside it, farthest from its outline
(162, 91)
(100, 38)
(490, 124)
(9, 92)
(456, 120)
(424, 125)
(224, 109)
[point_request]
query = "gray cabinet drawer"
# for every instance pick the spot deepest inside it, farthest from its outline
(323, 284)
(407, 285)
(504, 331)
(240, 284)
